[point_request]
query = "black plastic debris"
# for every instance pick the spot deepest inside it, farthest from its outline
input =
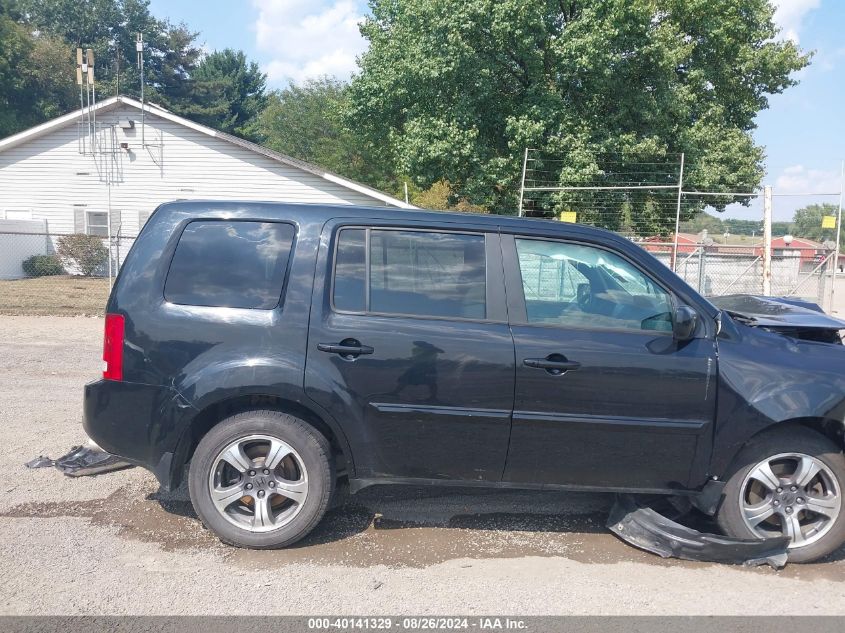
(80, 461)
(645, 528)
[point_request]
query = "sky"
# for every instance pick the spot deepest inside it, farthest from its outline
(803, 130)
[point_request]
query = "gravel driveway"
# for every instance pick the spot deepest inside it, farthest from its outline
(116, 544)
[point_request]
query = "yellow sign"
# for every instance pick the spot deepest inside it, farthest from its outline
(829, 222)
(568, 216)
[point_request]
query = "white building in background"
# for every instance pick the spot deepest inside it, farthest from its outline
(103, 172)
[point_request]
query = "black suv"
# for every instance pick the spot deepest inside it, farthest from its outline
(277, 347)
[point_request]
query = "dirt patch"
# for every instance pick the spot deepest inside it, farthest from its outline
(62, 295)
(359, 535)
(353, 534)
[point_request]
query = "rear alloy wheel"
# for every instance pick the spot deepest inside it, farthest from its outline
(261, 479)
(258, 483)
(791, 485)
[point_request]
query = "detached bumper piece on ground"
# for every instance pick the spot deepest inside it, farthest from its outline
(645, 528)
(89, 459)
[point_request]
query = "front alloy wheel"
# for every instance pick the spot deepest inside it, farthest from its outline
(787, 481)
(791, 494)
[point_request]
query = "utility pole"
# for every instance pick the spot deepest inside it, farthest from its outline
(139, 50)
(678, 217)
(767, 241)
(838, 234)
(522, 183)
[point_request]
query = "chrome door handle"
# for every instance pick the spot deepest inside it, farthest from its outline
(554, 364)
(345, 348)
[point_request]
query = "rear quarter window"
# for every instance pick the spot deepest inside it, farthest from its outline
(233, 264)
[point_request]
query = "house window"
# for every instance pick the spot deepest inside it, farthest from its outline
(18, 214)
(97, 223)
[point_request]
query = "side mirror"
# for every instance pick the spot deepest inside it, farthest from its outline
(683, 323)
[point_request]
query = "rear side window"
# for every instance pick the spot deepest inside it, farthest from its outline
(422, 273)
(230, 264)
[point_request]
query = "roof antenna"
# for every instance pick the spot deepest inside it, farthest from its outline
(88, 102)
(139, 48)
(80, 70)
(117, 68)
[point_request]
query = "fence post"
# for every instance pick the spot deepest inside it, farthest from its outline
(767, 241)
(838, 234)
(678, 216)
(522, 182)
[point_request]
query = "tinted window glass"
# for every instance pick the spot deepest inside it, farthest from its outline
(412, 272)
(582, 286)
(230, 264)
(349, 274)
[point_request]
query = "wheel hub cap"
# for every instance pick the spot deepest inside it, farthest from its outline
(258, 483)
(790, 494)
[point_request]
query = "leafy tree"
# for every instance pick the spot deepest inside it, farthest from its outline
(36, 82)
(703, 221)
(441, 197)
(807, 222)
(229, 93)
(222, 89)
(306, 121)
(168, 71)
(456, 89)
(109, 27)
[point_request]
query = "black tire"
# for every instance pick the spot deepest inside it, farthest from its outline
(786, 440)
(311, 447)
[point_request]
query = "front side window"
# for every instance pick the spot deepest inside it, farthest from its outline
(230, 264)
(421, 273)
(587, 287)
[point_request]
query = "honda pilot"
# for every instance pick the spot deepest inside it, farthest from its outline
(274, 349)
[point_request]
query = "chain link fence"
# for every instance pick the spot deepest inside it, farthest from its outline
(19, 244)
(645, 200)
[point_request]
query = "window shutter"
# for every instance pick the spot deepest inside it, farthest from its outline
(115, 221)
(79, 219)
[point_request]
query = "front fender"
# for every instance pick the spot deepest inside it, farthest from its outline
(766, 379)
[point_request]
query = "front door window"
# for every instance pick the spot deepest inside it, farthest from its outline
(579, 286)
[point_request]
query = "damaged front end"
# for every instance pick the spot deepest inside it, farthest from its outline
(795, 318)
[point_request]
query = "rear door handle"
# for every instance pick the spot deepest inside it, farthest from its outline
(345, 348)
(554, 364)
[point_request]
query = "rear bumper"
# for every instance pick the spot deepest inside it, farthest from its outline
(141, 423)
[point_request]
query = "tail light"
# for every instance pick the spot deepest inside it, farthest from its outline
(113, 347)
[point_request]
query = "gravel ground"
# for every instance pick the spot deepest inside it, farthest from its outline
(115, 544)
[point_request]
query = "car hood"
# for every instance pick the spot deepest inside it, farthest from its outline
(777, 312)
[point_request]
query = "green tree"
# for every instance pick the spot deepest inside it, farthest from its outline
(456, 89)
(703, 221)
(229, 93)
(36, 80)
(222, 89)
(807, 222)
(441, 197)
(306, 121)
(109, 28)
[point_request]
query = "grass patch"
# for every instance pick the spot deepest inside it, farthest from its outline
(62, 295)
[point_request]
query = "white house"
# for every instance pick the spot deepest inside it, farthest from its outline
(103, 170)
